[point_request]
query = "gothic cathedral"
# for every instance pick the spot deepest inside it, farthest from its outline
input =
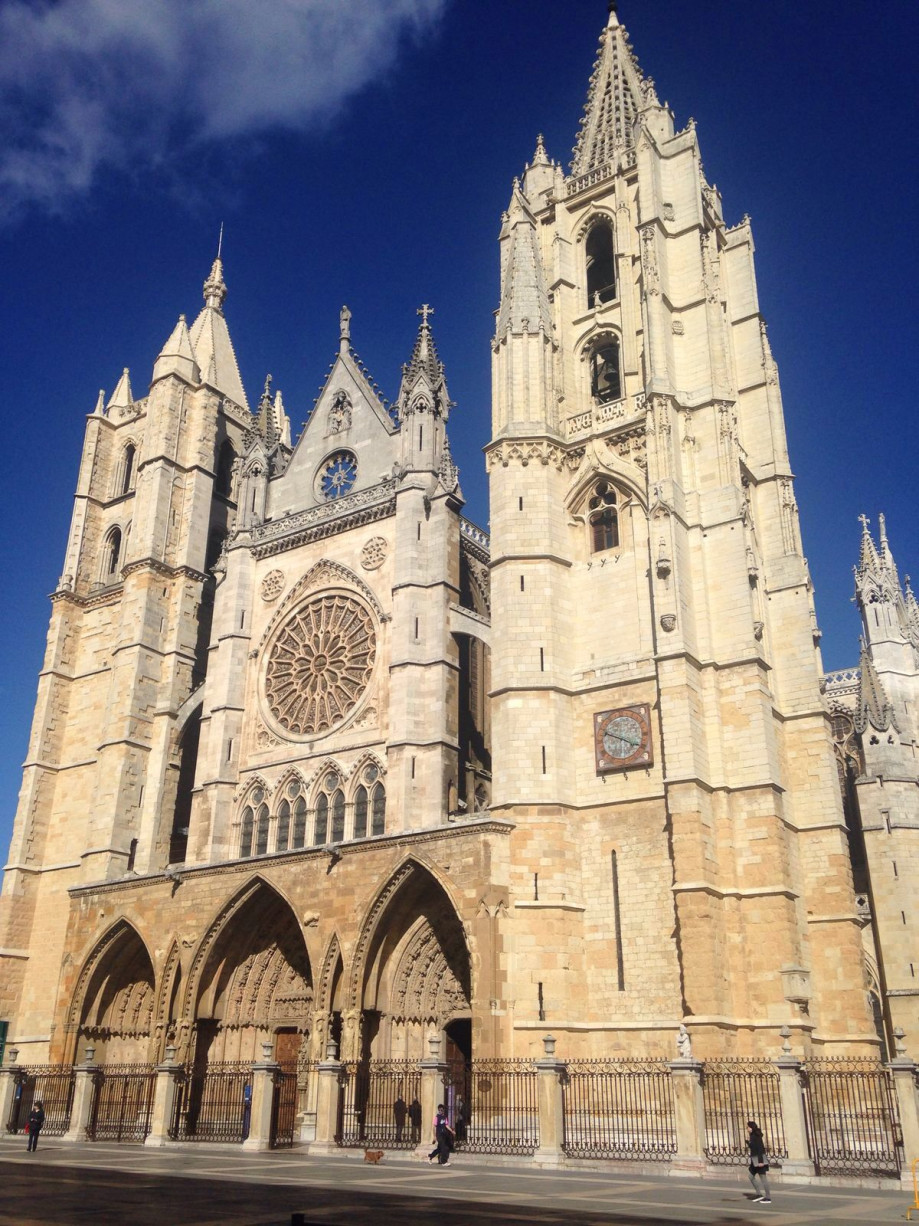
(317, 760)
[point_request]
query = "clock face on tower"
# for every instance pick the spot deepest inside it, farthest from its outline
(622, 738)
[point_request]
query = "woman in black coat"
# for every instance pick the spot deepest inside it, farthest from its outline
(36, 1119)
(758, 1164)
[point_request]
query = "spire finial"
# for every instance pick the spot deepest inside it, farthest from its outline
(215, 290)
(344, 328)
(220, 241)
(424, 311)
(882, 530)
(864, 521)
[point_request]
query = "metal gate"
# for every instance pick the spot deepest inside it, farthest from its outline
(122, 1106)
(733, 1092)
(52, 1086)
(494, 1107)
(380, 1104)
(214, 1103)
(618, 1109)
(852, 1118)
(284, 1104)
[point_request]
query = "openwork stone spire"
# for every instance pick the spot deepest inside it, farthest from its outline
(614, 98)
(266, 423)
(424, 372)
(872, 705)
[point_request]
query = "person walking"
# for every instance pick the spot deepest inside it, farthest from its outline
(443, 1138)
(36, 1120)
(758, 1164)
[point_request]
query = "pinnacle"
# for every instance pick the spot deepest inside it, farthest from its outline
(614, 98)
(215, 289)
(424, 359)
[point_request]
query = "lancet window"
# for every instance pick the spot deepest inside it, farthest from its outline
(299, 832)
(338, 816)
(223, 478)
(360, 812)
(283, 825)
(261, 831)
(603, 517)
(601, 265)
(245, 834)
(124, 478)
(112, 555)
(321, 832)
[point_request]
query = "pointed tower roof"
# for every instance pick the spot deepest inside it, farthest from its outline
(872, 705)
(99, 410)
(614, 98)
(177, 356)
(266, 424)
(121, 397)
(524, 297)
(210, 339)
(876, 575)
(425, 368)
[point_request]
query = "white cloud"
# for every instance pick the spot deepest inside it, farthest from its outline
(92, 83)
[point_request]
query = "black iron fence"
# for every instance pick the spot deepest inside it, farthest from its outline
(122, 1106)
(48, 1084)
(618, 1109)
(852, 1118)
(214, 1103)
(494, 1107)
(380, 1104)
(734, 1092)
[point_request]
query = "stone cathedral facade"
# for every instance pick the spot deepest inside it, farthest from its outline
(314, 757)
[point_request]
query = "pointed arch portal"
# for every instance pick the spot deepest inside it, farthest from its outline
(114, 1000)
(412, 972)
(253, 981)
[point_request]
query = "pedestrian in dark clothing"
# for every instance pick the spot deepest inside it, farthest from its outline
(758, 1164)
(36, 1119)
(443, 1138)
(414, 1115)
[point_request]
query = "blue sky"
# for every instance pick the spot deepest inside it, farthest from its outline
(362, 153)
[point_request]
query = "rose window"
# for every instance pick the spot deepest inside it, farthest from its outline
(320, 664)
(338, 474)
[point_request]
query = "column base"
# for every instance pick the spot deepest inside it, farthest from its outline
(256, 1145)
(798, 1168)
(687, 1164)
(156, 1142)
(549, 1157)
(73, 1136)
(323, 1149)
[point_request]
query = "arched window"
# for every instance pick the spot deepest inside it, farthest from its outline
(603, 518)
(601, 265)
(322, 820)
(360, 813)
(112, 555)
(245, 838)
(338, 817)
(223, 477)
(126, 470)
(299, 838)
(283, 825)
(261, 831)
(378, 811)
(605, 379)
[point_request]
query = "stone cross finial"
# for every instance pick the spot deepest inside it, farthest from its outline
(424, 311)
(864, 521)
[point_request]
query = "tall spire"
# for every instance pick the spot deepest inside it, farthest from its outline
(266, 422)
(424, 372)
(614, 98)
(211, 342)
(524, 297)
(122, 398)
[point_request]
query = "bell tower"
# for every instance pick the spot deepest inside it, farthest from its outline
(660, 739)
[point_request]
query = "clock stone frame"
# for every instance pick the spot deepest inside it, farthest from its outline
(625, 718)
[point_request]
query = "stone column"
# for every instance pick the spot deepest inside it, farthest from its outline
(549, 1074)
(689, 1117)
(8, 1083)
(799, 1161)
(165, 1096)
(84, 1092)
(263, 1083)
(328, 1091)
(903, 1070)
(433, 1072)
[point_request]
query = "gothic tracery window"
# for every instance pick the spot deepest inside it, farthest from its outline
(299, 836)
(320, 664)
(283, 826)
(338, 474)
(261, 831)
(322, 820)
(603, 517)
(360, 813)
(378, 812)
(338, 816)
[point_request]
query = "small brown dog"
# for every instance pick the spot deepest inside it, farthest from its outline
(373, 1155)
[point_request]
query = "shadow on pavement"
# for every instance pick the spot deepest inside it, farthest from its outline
(72, 1196)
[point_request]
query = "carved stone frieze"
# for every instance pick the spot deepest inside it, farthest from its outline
(539, 451)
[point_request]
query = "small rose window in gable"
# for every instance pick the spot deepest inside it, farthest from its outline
(338, 474)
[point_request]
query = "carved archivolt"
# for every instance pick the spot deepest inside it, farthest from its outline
(426, 987)
(320, 664)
